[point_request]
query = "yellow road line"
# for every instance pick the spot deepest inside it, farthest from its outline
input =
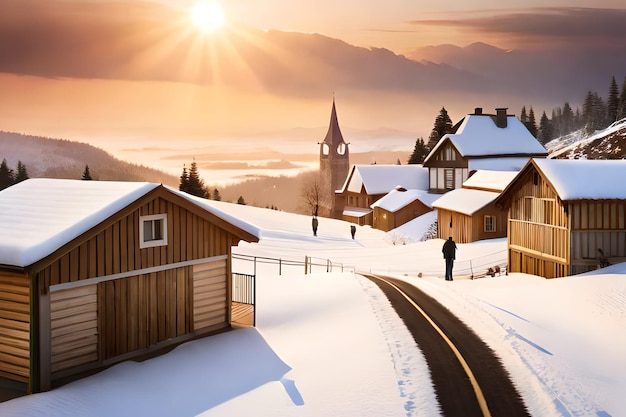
(477, 391)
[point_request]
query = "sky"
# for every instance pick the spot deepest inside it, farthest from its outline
(330, 343)
(139, 80)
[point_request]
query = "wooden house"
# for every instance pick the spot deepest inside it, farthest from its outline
(93, 273)
(565, 216)
(469, 214)
(401, 206)
(366, 184)
(480, 142)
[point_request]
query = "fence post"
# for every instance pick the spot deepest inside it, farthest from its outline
(306, 264)
(471, 269)
(280, 266)
(327, 265)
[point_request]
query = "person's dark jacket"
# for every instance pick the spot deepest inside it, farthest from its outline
(449, 249)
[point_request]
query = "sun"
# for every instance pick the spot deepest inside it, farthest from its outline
(207, 16)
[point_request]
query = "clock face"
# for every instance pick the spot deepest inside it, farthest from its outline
(341, 149)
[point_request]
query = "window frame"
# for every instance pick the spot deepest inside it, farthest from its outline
(493, 223)
(154, 242)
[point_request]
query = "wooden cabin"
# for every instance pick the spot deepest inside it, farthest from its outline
(366, 184)
(480, 141)
(565, 216)
(93, 273)
(469, 214)
(400, 206)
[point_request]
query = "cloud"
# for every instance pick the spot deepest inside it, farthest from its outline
(547, 24)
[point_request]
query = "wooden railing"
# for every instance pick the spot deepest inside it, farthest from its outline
(538, 237)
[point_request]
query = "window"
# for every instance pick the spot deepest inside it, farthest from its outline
(490, 223)
(341, 149)
(152, 231)
(449, 179)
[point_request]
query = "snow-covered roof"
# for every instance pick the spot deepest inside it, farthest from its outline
(396, 199)
(581, 179)
(498, 164)
(380, 179)
(356, 211)
(38, 216)
(478, 135)
(490, 180)
(465, 201)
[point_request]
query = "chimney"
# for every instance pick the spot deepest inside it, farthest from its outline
(501, 117)
(478, 110)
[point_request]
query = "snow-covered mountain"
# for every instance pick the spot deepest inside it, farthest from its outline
(609, 143)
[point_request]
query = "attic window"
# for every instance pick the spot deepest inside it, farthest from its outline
(153, 230)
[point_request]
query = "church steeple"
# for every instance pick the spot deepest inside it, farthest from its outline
(333, 136)
(334, 162)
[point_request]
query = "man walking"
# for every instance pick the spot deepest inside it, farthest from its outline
(449, 252)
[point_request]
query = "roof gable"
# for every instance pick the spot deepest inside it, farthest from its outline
(479, 136)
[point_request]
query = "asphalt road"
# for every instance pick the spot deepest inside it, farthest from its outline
(453, 387)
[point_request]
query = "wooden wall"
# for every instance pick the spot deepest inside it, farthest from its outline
(211, 304)
(74, 327)
(466, 228)
(597, 224)
(15, 290)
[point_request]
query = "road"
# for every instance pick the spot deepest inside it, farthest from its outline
(468, 377)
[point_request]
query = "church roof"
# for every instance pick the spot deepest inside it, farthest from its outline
(333, 136)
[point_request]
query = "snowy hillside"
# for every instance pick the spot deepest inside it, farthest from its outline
(603, 144)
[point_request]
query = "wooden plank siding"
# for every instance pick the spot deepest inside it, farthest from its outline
(210, 302)
(73, 327)
(15, 322)
(470, 228)
(141, 311)
(111, 251)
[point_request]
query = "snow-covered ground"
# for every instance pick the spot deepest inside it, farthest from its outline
(329, 344)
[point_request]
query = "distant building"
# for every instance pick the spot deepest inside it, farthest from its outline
(366, 184)
(480, 141)
(400, 206)
(334, 165)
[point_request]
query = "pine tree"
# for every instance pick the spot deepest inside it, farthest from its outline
(184, 180)
(216, 195)
(21, 174)
(531, 123)
(612, 103)
(523, 117)
(567, 120)
(6, 175)
(442, 126)
(545, 133)
(86, 174)
(241, 201)
(621, 111)
(195, 184)
(419, 152)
